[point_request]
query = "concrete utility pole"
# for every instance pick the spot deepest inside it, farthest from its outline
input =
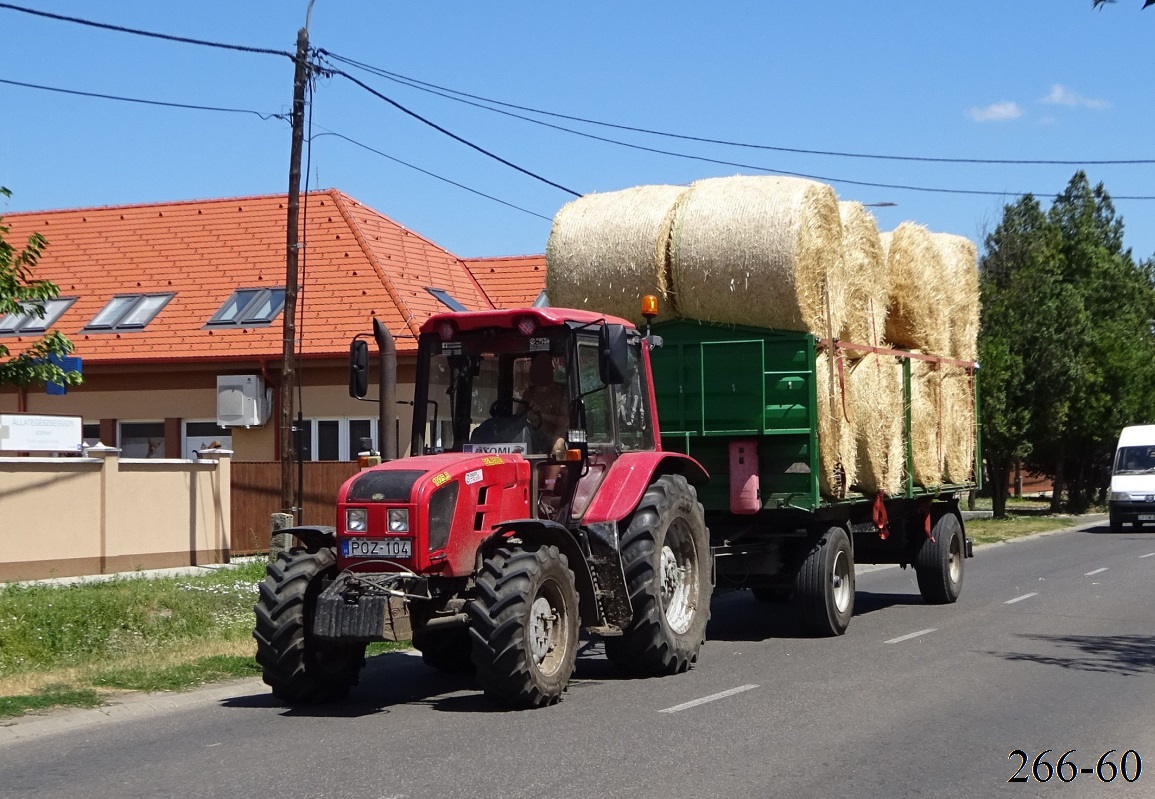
(292, 248)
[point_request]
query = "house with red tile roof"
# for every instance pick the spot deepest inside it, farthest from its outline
(161, 300)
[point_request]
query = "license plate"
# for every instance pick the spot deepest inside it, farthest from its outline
(1147, 517)
(377, 547)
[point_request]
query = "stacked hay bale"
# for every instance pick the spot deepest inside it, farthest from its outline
(863, 276)
(606, 251)
(875, 385)
(958, 424)
(758, 251)
(926, 423)
(920, 306)
(961, 275)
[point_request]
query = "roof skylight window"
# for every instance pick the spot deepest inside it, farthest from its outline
(28, 321)
(128, 312)
(446, 299)
(247, 307)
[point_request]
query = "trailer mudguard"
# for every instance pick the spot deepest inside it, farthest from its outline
(630, 476)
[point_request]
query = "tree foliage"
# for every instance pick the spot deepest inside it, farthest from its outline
(1067, 345)
(20, 292)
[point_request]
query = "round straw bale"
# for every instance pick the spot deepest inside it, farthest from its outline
(863, 277)
(876, 388)
(960, 264)
(606, 251)
(958, 410)
(836, 427)
(926, 434)
(920, 300)
(757, 251)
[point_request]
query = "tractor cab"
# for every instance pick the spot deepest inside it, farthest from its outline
(566, 391)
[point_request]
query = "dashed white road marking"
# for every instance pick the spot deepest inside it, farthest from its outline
(908, 636)
(1148, 555)
(1021, 598)
(1096, 571)
(710, 698)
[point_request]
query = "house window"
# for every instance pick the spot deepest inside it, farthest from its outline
(203, 435)
(247, 307)
(446, 299)
(141, 439)
(336, 439)
(90, 432)
(128, 312)
(27, 320)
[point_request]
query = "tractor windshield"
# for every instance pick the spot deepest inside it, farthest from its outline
(494, 391)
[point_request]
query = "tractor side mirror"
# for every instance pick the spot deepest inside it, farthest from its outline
(358, 368)
(613, 355)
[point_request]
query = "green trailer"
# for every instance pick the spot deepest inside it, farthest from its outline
(744, 403)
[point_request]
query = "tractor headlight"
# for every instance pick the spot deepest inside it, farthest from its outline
(356, 520)
(398, 520)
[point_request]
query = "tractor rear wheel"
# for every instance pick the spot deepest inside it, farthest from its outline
(300, 668)
(667, 561)
(524, 626)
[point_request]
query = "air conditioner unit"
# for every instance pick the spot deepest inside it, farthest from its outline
(242, 401)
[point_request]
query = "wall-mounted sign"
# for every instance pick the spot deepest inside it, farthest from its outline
(27, 432)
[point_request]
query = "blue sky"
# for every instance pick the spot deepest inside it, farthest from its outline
(987, 79)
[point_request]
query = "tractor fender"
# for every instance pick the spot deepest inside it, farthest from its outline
(312, 536)
(629, 477)
(532, 533)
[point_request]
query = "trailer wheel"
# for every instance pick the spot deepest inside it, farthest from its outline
(525, 626)
(824, 587)
(299, 668)
(666, 555)
(450, 651)
(939, 565)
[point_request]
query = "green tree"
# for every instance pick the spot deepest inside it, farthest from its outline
(20, 292)
(1024, 369)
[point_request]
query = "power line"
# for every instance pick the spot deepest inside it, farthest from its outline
(141, 101)
(151, 34)
(770, 170)
(450, 134)
(432, 174)
(454, 94)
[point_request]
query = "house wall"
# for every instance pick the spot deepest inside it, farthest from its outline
(61, 517)
(178, 394)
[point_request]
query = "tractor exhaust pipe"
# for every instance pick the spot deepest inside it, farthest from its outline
(387, 391)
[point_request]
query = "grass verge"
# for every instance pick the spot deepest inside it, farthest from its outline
(988, 531)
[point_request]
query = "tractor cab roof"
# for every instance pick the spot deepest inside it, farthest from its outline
(510, 318)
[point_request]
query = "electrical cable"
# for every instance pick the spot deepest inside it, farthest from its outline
(150, 34)
(450, 134)
(141, 101)
(433, 174)
(454, 94)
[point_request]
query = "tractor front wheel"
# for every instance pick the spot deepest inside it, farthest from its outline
(300, 668)
(525, 626)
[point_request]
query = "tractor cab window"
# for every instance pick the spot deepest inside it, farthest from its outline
(633, 399)
(498, 392)
(599, 422)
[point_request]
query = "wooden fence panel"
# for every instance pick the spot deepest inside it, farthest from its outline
(256, 496)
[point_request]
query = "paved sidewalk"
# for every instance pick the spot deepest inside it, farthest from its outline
(144, 574)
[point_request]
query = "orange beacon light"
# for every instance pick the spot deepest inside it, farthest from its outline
(649, 306)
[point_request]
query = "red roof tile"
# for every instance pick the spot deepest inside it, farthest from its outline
(513, 282)
(355, 264)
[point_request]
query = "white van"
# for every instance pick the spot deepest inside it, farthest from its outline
(1132, 497)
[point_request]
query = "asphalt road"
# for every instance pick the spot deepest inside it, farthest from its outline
(1052, 646)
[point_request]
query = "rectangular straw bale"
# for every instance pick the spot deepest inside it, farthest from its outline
(876, 388)
(836, 428)
(607, 251)
(926, 432)
(960, 265)
(958, 409)
(919, 316)
(758, 251)
(863, 277)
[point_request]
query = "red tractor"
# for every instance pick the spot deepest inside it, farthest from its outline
(537, 503)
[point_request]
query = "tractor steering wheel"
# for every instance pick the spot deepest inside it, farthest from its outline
(503, 408)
